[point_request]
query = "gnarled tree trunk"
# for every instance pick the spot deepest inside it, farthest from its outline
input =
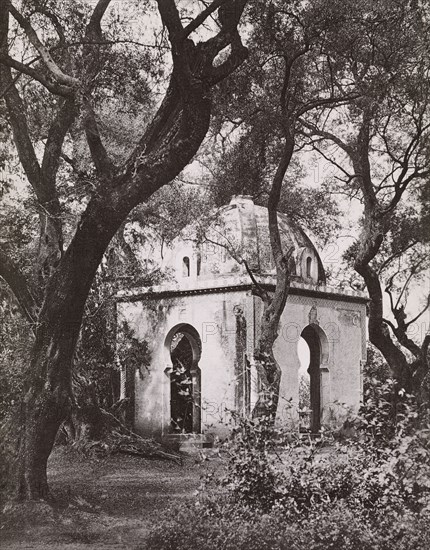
(167, 146)
(408, 374)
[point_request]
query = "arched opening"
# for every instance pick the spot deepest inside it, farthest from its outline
(199, 263)
(304, 386)
(184, 348)
(308, 266)
(310, 353)
(185, 267)
(292, 266)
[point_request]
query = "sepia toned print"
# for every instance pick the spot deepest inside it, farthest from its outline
(214, 274)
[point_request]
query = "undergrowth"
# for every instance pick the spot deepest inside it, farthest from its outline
(369, 492)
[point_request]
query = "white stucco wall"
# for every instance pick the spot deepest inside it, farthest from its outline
(343, 337)
(341, 324)
(213, 317)
(213, 296)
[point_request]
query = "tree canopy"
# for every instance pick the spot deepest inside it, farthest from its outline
(105, 103)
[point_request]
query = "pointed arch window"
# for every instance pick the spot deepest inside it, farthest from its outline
(185, 267)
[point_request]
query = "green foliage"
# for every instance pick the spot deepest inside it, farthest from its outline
(95, 356)
(15, 348)
(299, 478)
(304, 393)
(173, 208)
(247, 168)
(249, 123)
(95, 361)
(375, 369)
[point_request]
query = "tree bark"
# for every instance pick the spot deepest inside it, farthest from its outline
(168, 145)
(268, 369)
(377, 219)
(409, 375)
(48, 394)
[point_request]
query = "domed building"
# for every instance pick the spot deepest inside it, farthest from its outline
(202, 324)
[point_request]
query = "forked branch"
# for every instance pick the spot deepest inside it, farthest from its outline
(55, 71)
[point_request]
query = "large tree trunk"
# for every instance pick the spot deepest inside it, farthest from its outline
(40, 417)
(167, 146)
(48, 395)
(268, 370)
(269, 373)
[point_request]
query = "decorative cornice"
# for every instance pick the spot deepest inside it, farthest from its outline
(235, 284)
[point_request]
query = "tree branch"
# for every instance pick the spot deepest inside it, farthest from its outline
(170, 16)
(53, 87)
(102, 162)
(42, 179)
(361, 163)
(201, 18)
(329, 136)
(420, 313)
(55, 21)
(396, 255)
(16, 281)
(388, 291)
(237, 56)
(407, 282)
(21, 134)
(66, 114)
(44, 53)
(379, 334)
(95, 21)
(229, 15)
(425, 345)
(260, 290)
(326, 101)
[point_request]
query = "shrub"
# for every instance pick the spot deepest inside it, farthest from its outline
(282, 493)
(219, 523)
(264, 472)
(252, 475)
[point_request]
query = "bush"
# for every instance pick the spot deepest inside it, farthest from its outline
(263, 472)
(280, 493)
(252, 475)
(385, 466)
(221, 524)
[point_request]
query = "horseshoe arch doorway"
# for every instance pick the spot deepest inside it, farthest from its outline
(313, 346)
(184, 349)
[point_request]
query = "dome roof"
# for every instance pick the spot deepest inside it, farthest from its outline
(239, 231)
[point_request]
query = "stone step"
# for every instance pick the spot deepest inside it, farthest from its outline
(190, 446)
(189, 443)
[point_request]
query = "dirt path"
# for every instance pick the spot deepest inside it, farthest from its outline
(109, 503)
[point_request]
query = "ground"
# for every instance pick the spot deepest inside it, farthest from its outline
(107, 503)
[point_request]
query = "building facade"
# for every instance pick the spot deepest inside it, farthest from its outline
(202, 323)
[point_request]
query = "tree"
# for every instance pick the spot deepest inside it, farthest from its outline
(69, 68)
(290, 75)
(381, 154)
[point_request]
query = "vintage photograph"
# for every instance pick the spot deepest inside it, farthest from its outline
(214, 274)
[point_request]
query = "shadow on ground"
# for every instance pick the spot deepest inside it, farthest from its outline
(100, 503)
